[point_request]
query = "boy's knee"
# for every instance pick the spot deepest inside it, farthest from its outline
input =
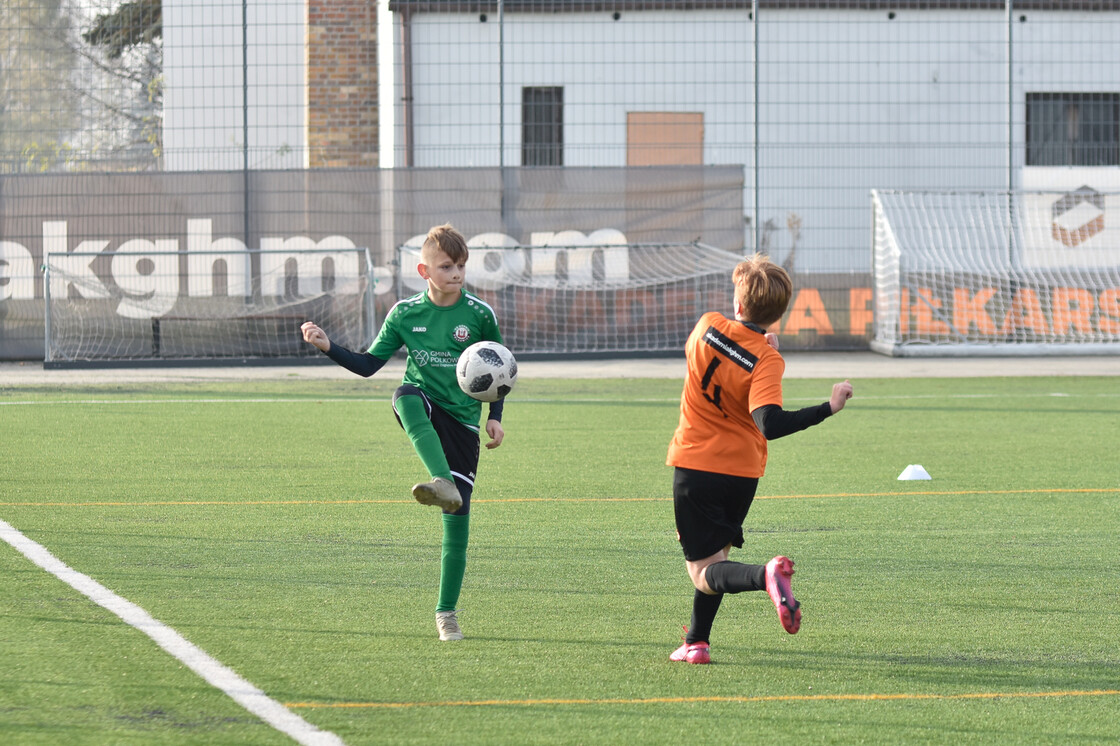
(406, 389)
(411, 409)
(699, 581)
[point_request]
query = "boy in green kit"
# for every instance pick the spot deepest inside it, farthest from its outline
(435, 326)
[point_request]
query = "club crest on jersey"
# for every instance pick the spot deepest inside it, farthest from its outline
(461, 333)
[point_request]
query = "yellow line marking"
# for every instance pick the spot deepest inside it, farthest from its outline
(945, 493)
(692, 700)
(104, 504)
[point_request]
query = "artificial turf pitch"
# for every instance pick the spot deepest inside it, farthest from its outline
(270, 524)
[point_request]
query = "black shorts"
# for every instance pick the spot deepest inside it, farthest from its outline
(460, 443)
(710, 510)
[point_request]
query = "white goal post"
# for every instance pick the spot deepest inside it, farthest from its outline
(996, 273)
(240, 306)
(588, 299)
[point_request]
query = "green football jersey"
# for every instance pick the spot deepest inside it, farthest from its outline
(434, 337)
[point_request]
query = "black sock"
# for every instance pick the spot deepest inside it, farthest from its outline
(735, 577)
(704, 608)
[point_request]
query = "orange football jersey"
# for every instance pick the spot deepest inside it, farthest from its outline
(731, 372)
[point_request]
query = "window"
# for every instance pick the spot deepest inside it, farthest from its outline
(542, 126)
(1073, 129)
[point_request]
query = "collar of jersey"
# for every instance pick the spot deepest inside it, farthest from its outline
(427, 300)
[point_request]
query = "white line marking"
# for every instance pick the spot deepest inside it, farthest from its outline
(198, 660)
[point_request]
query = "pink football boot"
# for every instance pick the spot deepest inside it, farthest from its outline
(778, 572)
(697, 652)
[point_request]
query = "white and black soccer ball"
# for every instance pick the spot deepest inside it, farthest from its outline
(486, 371)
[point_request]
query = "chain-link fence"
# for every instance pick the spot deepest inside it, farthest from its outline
(363, 105)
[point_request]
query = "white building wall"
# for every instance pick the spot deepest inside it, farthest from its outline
(642, 62)
(852, 101)
(848, 100)
(203, 126)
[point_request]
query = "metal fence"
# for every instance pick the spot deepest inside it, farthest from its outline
(813, 103)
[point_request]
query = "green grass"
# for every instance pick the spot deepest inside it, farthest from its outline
(270, 524)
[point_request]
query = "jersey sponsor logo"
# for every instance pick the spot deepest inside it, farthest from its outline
(443, 358)
(435, 358)
(419, 328)
(461, 333)
(731, 350)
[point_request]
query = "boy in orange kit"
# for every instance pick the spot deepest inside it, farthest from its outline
(731, 406)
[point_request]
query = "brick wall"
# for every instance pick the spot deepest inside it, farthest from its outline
(342, 129)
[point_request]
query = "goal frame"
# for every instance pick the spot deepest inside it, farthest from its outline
(925, 263)
(240, 307)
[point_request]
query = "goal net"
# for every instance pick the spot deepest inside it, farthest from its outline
(996, 273)
(592, 299)
(234, 305)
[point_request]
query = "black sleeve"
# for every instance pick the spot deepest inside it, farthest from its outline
(364, 364)
(496, 410)
(774, 422)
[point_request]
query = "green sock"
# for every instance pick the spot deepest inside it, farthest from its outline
(453, 560)
(423, 436)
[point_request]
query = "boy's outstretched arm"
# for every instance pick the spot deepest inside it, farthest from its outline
(774, 422)
(364, 364)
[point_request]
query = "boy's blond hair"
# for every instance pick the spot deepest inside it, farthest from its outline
(446, 239)
(762, 288)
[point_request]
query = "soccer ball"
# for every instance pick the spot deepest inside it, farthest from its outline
(486, 371)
